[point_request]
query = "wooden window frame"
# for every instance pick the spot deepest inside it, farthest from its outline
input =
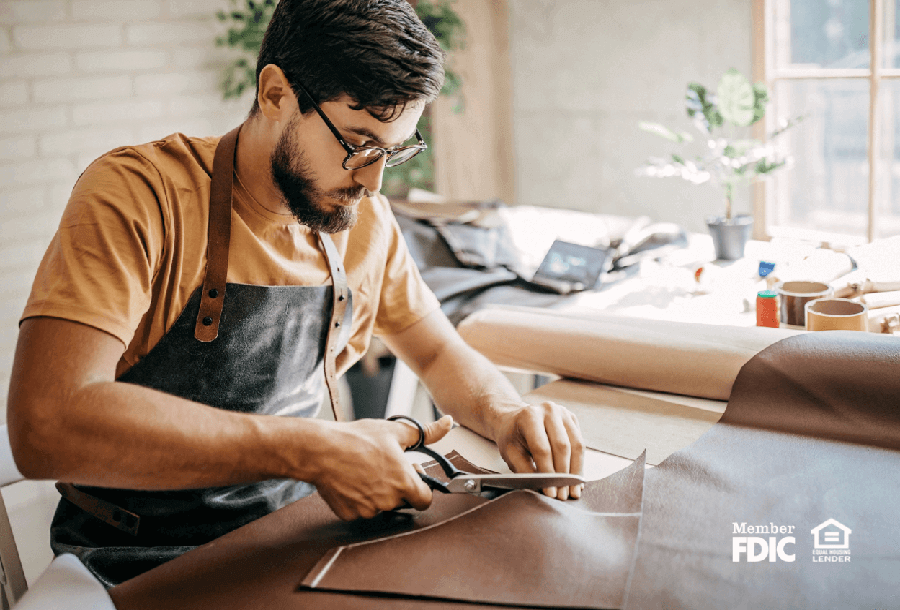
(763, 195)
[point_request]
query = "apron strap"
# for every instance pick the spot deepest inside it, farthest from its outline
(340, 299)
(219, 235)
(212, 298)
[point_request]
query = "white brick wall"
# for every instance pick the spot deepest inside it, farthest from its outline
(77, 78)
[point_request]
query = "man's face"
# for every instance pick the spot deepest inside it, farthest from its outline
(306, 163)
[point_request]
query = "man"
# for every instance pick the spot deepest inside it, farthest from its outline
(148, 383)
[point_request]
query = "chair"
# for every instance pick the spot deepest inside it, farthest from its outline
(65, 584)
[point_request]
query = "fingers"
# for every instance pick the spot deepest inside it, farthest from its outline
(576, 441)
(365, 505)
(548, 435)
(533, 429)
(435, 431)
(407, 433)
(561, 448)
(420, 498)
(518, 458)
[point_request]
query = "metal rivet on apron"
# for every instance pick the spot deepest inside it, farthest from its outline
(207, 321)
(213, 293)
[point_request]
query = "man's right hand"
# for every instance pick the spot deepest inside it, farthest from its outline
(363, 470)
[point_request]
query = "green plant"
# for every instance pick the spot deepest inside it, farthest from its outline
(245, 33)
(736, 105)
(247, 25)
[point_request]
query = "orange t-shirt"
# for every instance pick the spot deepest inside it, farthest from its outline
(131, 249)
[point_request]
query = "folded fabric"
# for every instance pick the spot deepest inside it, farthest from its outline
(681, 358)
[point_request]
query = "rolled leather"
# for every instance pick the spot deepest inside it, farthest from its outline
(699, 360)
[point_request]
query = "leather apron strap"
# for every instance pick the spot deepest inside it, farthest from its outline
(212, 298)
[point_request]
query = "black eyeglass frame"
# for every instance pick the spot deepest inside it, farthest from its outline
(352, 150)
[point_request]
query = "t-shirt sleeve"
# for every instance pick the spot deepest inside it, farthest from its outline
(405, 298)
(99, 268)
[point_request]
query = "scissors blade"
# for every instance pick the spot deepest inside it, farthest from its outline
(474, 483)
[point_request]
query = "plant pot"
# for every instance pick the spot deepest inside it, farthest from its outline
(730, 235)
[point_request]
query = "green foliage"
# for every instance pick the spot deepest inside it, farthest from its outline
(247, 25)
(449, 30)
(736, 104)
(704, 112)
(418, 172)
(245, 33)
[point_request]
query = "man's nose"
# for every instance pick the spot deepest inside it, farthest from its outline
(370, 176)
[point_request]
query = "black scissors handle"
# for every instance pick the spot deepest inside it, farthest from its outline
(449, 469)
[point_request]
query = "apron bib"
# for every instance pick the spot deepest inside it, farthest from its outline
(251, 349)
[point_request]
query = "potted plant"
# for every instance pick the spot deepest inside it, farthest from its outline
(730, 158)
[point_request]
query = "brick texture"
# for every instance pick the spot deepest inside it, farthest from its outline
(31, 11)
(75, 36)
(78, 78)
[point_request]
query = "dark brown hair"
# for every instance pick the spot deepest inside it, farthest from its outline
(377, 52)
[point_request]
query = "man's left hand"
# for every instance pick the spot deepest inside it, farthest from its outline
(542, 437)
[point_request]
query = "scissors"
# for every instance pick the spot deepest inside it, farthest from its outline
(484, 485)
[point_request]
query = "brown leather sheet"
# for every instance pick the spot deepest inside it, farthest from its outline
(557, 566)
(438, 565)
(807, 437)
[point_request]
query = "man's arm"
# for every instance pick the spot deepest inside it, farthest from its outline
(70, 420)
(544, 437)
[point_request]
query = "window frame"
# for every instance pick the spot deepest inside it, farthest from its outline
(762, 17)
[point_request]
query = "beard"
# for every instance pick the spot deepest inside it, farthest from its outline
(306, 201)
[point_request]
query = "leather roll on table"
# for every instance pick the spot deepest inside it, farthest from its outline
(700, 360)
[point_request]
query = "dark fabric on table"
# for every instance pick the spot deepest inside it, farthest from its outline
(468, 267)
(263, 564)
(794, 448)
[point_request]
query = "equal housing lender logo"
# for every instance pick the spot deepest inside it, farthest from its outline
(831, 542)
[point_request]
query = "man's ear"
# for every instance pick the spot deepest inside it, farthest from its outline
(275, 98)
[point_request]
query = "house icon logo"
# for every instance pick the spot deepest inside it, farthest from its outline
(832, 535)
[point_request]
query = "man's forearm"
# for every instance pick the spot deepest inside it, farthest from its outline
(70, 420)
(543, 437)
(121, 435)
(466, 385)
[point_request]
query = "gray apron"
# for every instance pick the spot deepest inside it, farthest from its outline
(250, 349)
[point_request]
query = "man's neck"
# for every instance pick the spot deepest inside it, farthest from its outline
(252, 164)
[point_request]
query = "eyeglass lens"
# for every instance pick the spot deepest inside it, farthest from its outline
(367, 156)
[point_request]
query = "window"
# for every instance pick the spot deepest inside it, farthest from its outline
(837, 62)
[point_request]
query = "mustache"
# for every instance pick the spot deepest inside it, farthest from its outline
(350, 194)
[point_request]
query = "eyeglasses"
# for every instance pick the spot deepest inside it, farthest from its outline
(361, 156)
